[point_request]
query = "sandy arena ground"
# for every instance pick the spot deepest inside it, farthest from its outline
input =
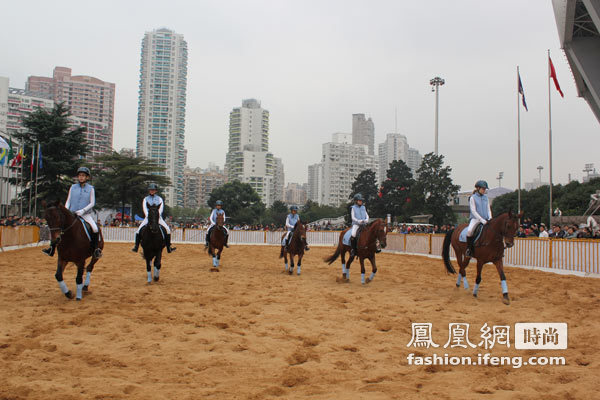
(251, 332)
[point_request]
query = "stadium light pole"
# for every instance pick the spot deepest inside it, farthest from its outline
(435, 87)
(540, 168)
(499, 177)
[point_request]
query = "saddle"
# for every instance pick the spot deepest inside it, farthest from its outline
(87, 228)
(476, 234)
(162, 231)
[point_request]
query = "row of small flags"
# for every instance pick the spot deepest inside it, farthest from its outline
(552, 75)
(6, 155)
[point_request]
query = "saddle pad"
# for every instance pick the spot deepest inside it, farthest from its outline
(463, 234)
(86, 228)
(346, 239)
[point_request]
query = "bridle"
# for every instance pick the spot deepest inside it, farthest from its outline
(62, 221)
(499, 236)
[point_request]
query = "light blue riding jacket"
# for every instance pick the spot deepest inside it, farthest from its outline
(155, 200)
(81, 198)
(291, 221)
(214, 213)
(482, 206)
(359, 213)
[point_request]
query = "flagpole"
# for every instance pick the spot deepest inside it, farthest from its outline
(21, 185)
(549, 140)
(36, 179)
(519, 141)
(31, 175)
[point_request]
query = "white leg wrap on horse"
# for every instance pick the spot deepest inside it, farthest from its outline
(63, 287)
(344, 270)
(504, 287)
(80, 290)
(149, 276)
(476, 289)
(465, 283)
(156, 272)
(362, 278)
(286, 266)
(459, 279)
(298, 270)
(87, 279)
(372, 276)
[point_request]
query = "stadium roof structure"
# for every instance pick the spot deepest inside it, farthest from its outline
(578, 23)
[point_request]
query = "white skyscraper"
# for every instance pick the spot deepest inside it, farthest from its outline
(395, 148)
(161, 110)
(363, 132)
(330, 181)
(248, 159)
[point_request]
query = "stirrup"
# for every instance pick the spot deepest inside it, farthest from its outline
(47, 251)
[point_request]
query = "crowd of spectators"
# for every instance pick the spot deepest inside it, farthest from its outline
(530, 229)
(20, 221)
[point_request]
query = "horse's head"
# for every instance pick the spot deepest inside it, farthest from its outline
(220, 220)
(509, 228)
(153, 216)
(380, 232)
(55, 215)
(300, 229)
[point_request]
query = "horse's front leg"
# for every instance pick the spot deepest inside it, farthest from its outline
(88, 274)
(362, 270)
(374, 269)
(285, 259)
(299, 262)
(157, 265)
(79, 280)
(149, 268)
(345, 272)
(219, 257)
(463, 262)
(60, 268)
(291, 270)
(478, 279)
(500, 268)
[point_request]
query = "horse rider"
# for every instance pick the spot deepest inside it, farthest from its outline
(218, 210)
(81, 200)
(360, 218)
(481, 213)
(153, 200)
(290, 222)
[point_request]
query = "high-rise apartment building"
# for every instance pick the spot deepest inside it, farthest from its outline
(395, 148)
(91, 102)
(248, 159)
(330, 181)
(295, 194)
(161, 110)
(199, 183)
(278, 180)
(363, 132)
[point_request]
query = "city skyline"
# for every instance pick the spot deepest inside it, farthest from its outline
(337, 69)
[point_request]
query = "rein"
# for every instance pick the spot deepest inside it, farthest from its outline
(62, 230)
(498, 236)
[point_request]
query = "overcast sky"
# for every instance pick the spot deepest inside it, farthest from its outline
(313, 64)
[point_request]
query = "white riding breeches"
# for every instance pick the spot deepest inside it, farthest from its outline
(88, 218)
(472, 224)
(160, 221)
(286, 237)
(354, 230)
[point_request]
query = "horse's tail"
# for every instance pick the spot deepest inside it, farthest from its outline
(446, 252)
(338, 251)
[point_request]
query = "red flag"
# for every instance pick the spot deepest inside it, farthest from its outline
(553, 76)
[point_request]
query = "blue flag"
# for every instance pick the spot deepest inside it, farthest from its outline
(3, 156)
(522, 93)
(40, 156)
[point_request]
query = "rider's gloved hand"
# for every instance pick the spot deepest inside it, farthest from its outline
(79, 212)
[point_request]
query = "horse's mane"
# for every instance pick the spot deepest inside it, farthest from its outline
(374, 222)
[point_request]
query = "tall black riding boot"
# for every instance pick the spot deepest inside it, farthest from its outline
(137, 243)
(96, 252)
(207, 239)
(353, 244)
(50, 250)
(470, 247)
(226, 239)
(169, 248)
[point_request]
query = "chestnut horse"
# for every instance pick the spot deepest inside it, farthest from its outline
(217, 240)
(295, 248)
(73, 245)
(489, 247)
(372, 236)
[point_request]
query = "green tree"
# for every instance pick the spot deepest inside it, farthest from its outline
(240, 201)
(62, 150)
(435, 188)
(188, 215)
(124, 180)
(366, 184)
(276, 214)
(312, 211)
(398, 192)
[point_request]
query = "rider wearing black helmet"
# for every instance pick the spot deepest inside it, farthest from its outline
(360, 218)
(152, 200)
(481, 213)
(213, 221)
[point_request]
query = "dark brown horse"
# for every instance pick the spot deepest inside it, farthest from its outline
(490, 247)
(73, 245)
(217, 240)
(295, 248)
(372, 236)
(151, 239)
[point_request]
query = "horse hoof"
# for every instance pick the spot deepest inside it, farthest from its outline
(368, 280)
(342, 280)
(458, 286)
(156, 279)
(213, 269)
(475, 295)
(505, 299)
(78, 299)
(290, 272)
(85, 288)
(69, 295)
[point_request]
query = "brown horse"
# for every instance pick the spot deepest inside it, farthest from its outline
(295, 248)
(489, 248)
(217, 240)
(372, 236)
(73, 245)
